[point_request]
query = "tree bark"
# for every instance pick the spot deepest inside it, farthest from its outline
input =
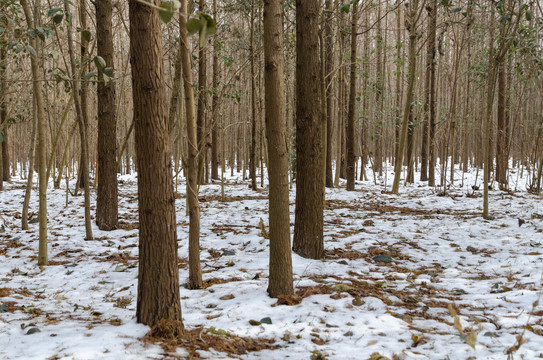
(411, 19)
(195, 271)
(431, 92)
(42, 139)
(328, 67)
(202, 101)
(80, 110)
(252, 155)
(158, 275)
(351, 158)
(280, 282)
(215, 142)
(106, 201)
(308, 226)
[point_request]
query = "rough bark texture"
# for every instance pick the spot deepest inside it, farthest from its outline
(158, 276)
(351, 159)
(195, 271)
(280, 254)
(106, 202)
(308, 227)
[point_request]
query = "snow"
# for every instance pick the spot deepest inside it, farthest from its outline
(443, 252)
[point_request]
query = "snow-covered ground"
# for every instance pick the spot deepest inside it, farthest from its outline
(435, 251)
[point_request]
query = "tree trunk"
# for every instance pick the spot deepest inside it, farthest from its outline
(158, 275)
(202, 100)
(195, 271)
(328, 67)
(411, 18)
(42, 139)
(280, 255)
(106, 200)
(351, 159)
(30, 177)
(80, 110)
(501, 145)
(252, 160)
(431, 92)
(308, 226)
(490, 86)
(215, 142)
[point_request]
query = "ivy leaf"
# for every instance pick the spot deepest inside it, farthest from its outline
(529, 15)
(99, 62)
(345, 8)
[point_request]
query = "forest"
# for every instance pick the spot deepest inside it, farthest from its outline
(269, 179)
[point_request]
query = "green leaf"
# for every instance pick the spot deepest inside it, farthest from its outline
(57, 19)
(86, 35)
(169, 9)
(31, 50)
(203, 35)
(345, 8)
(529, 15)
(54, 54)
(99, 62)
(193, 26)
(108, 71)
(209, 23)
(53, 11)
(90, 75)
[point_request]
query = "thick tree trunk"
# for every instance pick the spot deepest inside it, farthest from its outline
(158, 275)
(308, 227)
(195, 271)
(351, 158)
(280, 254)
(106, 201)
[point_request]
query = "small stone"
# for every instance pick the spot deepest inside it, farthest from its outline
(33, 331)
(228, 253)
(382, 258)
(266, 320)
(357, 301)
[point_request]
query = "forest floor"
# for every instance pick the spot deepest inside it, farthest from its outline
(416, 276)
